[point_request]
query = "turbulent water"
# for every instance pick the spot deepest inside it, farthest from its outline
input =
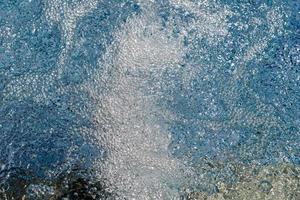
(146, 99)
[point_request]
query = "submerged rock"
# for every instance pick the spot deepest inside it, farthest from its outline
(39, 192)
(75, 185)
(270, 183)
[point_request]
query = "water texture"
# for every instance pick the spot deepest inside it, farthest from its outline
(149, 99)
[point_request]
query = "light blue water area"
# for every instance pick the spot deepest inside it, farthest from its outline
(275, 82)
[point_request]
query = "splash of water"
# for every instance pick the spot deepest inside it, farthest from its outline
(139, 164)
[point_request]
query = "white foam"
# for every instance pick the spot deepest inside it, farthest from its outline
(139, 164)
(143, 45)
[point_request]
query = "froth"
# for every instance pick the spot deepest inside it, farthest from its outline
(139, 164)
(143, 44)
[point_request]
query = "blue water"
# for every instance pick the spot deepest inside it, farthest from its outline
(232, 83)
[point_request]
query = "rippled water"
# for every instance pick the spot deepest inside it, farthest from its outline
(149, 99)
